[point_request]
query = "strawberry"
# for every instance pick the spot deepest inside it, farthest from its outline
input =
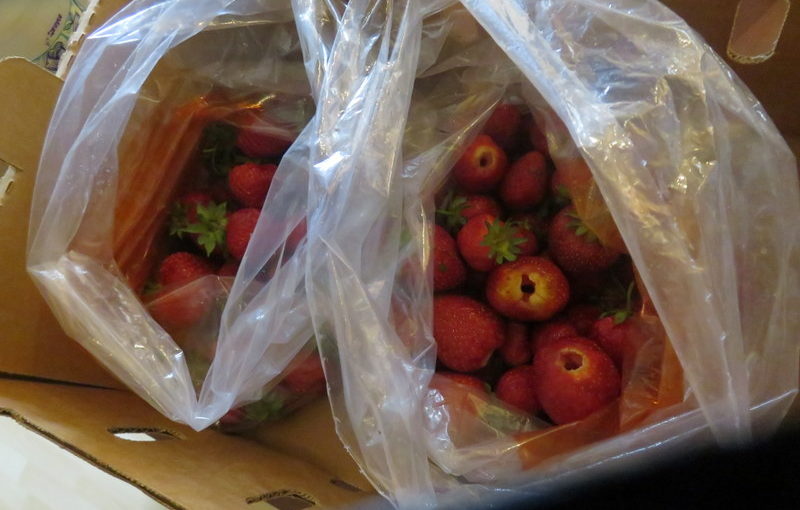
(517, 388)
(525, 183)
(612, 336)
(306, 378)
(527, 289)
(614, 330)
(538, 139)
(181, 268)
(179, 308)
(486, 242)
(576, 248)
(228, 269)
(581, 317)
(184, 210)
(218, 148)
(574, 378)
(469, 381)
(204, 223)
(531, 222)
(249, 183)
(481, 167)
(458, 209)
(466, 331)
(516, 350)
(549, 331)
(559, 188)
(504, 125)
(449, 271)
(240, 227)
(259, 144)
(233, 418)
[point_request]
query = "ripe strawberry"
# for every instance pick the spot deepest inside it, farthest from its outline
(481, 166)
(466, 332)
(613, 337)
(249, 183)
(576, 248)
(486, 242)
(182, 267)
(306, 378)
(458, 209)
(259, 144)
(504, 125)
(233, 418)
(538, 139)
(517, 349)
(517, 388)
(240, 227)
(525, 183)
(469, 381)
(528, 289)
(581, 317)
(184, 210)
(228, 269)
(574, 378)
(549, 331)
(448, 270)
(179, 308)
(531, 222)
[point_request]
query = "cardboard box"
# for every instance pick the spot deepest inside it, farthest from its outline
(49, 384)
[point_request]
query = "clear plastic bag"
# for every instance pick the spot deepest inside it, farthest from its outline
(124, 140)
(701, 188)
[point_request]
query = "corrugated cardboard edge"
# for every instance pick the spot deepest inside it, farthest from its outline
(196, 470)
(89, 18)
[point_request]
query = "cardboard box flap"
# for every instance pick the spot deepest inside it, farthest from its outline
(187, 469)
(27, 102)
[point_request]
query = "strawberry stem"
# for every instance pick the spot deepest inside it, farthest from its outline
(503, 241)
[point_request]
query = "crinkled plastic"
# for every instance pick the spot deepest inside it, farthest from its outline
(121, 145)
(701, 188)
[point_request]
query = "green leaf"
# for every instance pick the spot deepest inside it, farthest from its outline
(503, 241)
(452, 211)
(270, 407)
(210, 226)
(218, 148)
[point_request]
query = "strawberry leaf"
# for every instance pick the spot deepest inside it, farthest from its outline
(451, 212)
(503, 241)
(178, 220)
(269, 407)
(218, 148)
(210, 226)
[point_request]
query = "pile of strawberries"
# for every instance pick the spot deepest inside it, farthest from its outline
(211, 223)
(528, 302)
(210, 226)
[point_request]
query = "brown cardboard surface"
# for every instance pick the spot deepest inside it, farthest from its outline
(31, 341)
(197, 470)
(208, 469)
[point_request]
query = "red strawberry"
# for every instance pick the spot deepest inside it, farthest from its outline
(517, 388)
(448, 270)
(307, 377)
(549, 331)
(182, 267)
(233, 418)
(458, 209)
(249, 183)
(613, 336)
(185, 210)
(467, 380)
(532, 223)
(259, 144)
(240, 227)
(525, 183)
(516, 350)
(574, 378)
(486, 242)
(581, 317)
(504, 126)
(576, 248)
(466, 332)
(559, 187)
(179, 308)
(481, 167)
(537, 138)
(528, 289)
(228, 269)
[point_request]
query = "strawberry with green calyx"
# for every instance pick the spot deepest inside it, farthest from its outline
(208, 228)
(575, 247)
(270, 407)
(613, 330)
(486, 242)
(457, 210)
